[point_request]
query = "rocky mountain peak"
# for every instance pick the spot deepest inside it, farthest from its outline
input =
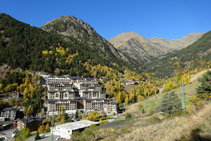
(71, 26)
(154, 46)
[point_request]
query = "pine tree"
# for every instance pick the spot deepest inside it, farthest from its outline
(205, 87)
(76, 114)
(170, 104)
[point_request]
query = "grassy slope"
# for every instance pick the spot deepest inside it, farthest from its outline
(170, 129)
(179, 128)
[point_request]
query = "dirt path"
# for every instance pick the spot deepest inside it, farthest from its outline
(195, 77)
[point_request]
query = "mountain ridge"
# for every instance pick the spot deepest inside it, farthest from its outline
(155, 46)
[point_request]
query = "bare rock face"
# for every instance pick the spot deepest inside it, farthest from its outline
(71, 26)
(140, 48)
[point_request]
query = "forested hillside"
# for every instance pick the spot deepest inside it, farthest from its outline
(191, 59)
(28, 47)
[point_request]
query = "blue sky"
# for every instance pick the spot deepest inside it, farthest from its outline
(170, 19)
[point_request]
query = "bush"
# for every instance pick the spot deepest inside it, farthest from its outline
(103, 122)
(37, 137)
(128, 116)
(120, 104)
(69, 120)
(143, 111)
(92, 125)
(180, 113)
(153, 120)
(93, 116)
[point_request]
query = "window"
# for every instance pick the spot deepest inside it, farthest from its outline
(94, 94)
(65, 95)
(56, 95)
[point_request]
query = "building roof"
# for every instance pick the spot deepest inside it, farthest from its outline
(28, 120)
(74, 126)
(8, 109)
(60, 76)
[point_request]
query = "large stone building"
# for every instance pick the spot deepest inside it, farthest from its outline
(84, 94)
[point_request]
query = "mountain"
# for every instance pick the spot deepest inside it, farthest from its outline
(29, 47)
(178, 44)
(193, 58)
(72, 26)
(151, 49)
(154, 47)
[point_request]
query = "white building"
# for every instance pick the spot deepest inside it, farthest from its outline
(65, 130)
(74, 93)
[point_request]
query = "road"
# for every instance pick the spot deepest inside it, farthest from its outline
(8, 134)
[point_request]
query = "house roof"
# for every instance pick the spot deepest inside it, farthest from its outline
(8, 109)
(28, 120)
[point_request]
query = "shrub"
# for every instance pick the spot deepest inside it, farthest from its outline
(128, 116)
(180, 113)
(143, 111)
(153, 120)
(120, 104)
(93, 116)
(57, 119)
(37, 137)
(62, 120)
(103, 122)
(92, 125)
(69, 120)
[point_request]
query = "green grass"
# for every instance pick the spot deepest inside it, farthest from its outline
(190, 90)
(152, 104)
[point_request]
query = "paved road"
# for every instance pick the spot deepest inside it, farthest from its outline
(8, 134)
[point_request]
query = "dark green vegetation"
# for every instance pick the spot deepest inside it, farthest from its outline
(195, 56)
(205, 87)
(170, 104)
(11, 82)
(22, 45)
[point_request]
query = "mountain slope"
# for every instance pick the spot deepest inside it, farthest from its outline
(22, 45)
(154, 46)
(135, 50)
(71, 26)
(195, 56)
(178, 44)
(153, 49)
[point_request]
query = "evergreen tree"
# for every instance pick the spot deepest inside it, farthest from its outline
(76, 114)
(170, 104)
(37, 137)
(205, 87)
